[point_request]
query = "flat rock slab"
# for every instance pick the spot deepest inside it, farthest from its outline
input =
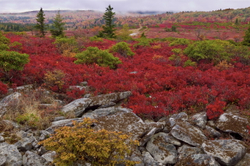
(231, 122)
(79, 106)
(125, 122)
(187, 133)
(226, 152)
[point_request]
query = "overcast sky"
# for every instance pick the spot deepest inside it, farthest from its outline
(122, 5)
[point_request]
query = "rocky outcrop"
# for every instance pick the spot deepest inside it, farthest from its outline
(179, 139)
(226, 152)
(79, 106)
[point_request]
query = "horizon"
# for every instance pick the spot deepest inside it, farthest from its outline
(20, 6)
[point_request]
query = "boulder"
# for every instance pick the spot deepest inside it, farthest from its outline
(148, 160)
(161, 150)
(26, 141)
(9, 101)
(104, 112)
(198, 160)
(11, 153)
(125, 122)
(79, 106)
(3, 160)
(49, 156)
(185, 151)
(187, 133)
(245, 161)
(200, 119)
(178, 117)
(226, 152)
(233, 123)
(33, 159)
(212, 132)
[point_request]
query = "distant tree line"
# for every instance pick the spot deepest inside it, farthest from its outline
(14, 27)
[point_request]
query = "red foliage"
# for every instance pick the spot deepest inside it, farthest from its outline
(3, 88)
(159, 87)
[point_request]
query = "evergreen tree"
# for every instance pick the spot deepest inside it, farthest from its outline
(58, 26)
(40, 25)
(109, 28)
(246, 40)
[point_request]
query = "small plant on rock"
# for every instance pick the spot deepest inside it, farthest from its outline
(82, 144)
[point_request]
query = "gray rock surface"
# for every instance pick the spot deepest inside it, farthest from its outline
(178, 118)
(226, 152)
(198, 160)
(161, 150)
(79, 106)
(148, 160)
(13, 156)
(187, 133)
(232, 122)
(33, 159)
(200, 119)
(185, 151)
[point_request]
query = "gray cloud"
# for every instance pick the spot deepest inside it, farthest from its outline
(122, 5)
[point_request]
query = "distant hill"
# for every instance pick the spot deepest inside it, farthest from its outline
(89, 18)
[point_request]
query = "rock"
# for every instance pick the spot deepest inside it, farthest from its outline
(245, 161)
(24, 88)
(200, 119)
(136, 156)
(11, 124)
(33, 159)
(198, 160)
(185, 151)
(3, 160)
(13, 156)
(178, 117)
(126, 122)
(84, 83)
(147, 137)
(9, 101)
(148, 160)
(104, 112)
(233, 123)
(25, 143)
(65, 122)
(160, 148)
(1, 139)
(226, 152)
(212, 132)
(49, 156)
(59, 118)
(79, 106)
(43, 135)
(185, 132)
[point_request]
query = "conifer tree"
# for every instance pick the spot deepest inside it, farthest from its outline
(109, 27)
(40, 25)
(58, 26)
(246, 40)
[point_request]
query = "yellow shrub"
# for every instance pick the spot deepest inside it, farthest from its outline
(54, 79)
(81, 143)
(158, 46)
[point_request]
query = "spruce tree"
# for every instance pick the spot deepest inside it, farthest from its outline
(58, 26)
(109, 27)
(246, 40)
(40, 25)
